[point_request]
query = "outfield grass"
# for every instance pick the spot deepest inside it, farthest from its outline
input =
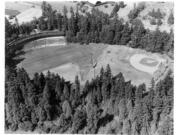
(48, 58)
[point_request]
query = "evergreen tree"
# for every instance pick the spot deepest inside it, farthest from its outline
(92, 118)
(79, 120)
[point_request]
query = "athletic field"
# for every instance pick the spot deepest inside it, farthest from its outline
(69, 60)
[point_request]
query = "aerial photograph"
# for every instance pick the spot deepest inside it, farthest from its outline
(81, 67)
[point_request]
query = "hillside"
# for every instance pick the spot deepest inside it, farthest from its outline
(28, 15)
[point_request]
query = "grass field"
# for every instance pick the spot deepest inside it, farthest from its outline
(74, 59)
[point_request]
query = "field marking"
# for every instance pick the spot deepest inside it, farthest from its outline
(135, 61)
(68, 71)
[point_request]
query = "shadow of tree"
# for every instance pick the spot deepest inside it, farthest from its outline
(13, 55)
(104, 120)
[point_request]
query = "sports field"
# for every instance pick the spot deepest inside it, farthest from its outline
(69, 60)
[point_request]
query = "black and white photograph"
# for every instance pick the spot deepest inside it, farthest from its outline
(83, 67)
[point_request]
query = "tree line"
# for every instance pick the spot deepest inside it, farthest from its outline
(98, 27)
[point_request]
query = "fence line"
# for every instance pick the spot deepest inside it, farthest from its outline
(34, 37)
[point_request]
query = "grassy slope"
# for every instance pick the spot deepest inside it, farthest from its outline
(164, 7)
(122, 13)
(11, 12)
(17, 5)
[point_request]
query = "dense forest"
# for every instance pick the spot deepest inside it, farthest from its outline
(32, 103)
(47, 103)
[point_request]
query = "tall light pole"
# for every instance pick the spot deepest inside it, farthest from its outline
(93, 63)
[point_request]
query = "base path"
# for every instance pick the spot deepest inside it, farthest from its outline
(135, 61)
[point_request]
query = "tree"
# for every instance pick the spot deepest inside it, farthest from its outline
(66, 92)
(122, 110)
(59, 21)
(42, 114)
(31, 95)
(62, 121)
(125, 38)
(137, 34)
(65, 19)
(79, 120)
(171, 18)
(127, 127)
(115, 10)
(58, 90)
(92, 118)
(67, 109)
(166, 128)
(46, 93)
(139, 93)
